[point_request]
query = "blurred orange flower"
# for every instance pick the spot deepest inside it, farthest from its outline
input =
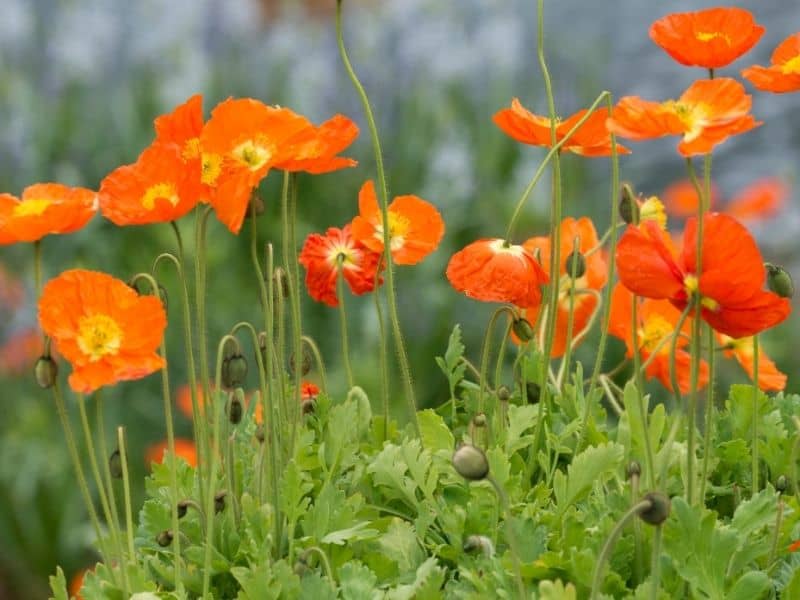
(45, 208)
(184, 449)
(657, 320)
(493, 270)
(730, 286)
(102, 327)
(710, 38)
(594, 278)
(680, 198)
(159, 187)
(759, 200)
(708, 113)
(769, 377)
(591, 139)
(76, 583)
(415, 226)
(320, 256)
(19, 353)
(184, 400)
(783, 74)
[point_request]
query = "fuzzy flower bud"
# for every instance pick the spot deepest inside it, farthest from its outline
(470, 462)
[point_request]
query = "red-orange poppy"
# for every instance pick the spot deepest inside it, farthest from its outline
(76, 583)
(594, 278)
(415, 226)
(308, 390)
(783, 74)
(20, 351)
(710, 38)
(184, 400)
(185, 449)
(102, 327)
(794, 546)
(493, 270)
(45, 208)
(159, 187)
(657, 320)
(591, 139)
(760, 200)
(182, 127)
(730, 284)
(321, 255)
(706, 114)
(681, 200)
(315, 149)
(769, 377)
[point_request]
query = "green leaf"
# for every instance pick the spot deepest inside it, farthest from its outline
(521, 418)
(295, 484)
(434, 432)
(401, 546)
(593, 465)
(555, 590)
(359, 531)
(451, 364)
(428, 580)
(58, 585)
(750, 586)
(357, 582)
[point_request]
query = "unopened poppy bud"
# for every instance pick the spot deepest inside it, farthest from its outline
(479, 543)
(628, 208)
(779, 281)
(575, 264)
(503, 393)
(781, 484)
(470, 462)
(301, 565)
(260, 435)
(183, 508)
(45, 371)
(522, 329)
(534, 391)
(219, 501)
(164, 538)
(479, 420)
(307, 406)
(235, 409)
(305, 362)
(115, 464)
(234, 370)
(659, 508)
(634, 469)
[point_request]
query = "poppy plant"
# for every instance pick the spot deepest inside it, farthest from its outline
(182, 127)
(493, 270)
(45, 208)
(783, 74)
(102, 327)
(656, 323)
(769, 377)
(591, 139)
(415, 226)
(710, 38)
(594, 278)
(706, 114)
(729, 287)
(323, 256)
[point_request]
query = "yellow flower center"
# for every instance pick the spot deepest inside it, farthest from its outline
(654, 330)
(191, 149)
(694, 118)
(211, 167)
(32, 207)
(652, 209)
(398, 228)
(158, 191)
(707, 36)
(98, 336)
(345, 252)
(254, 154)
(791, 66)
(692, 287)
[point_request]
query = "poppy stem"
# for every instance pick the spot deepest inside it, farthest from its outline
(756, 391)
(384, 367)
(655, 568)
(312, 346)
(709, 424)
(200, 306)
(485, 351)
(391, 295)
(126, 486)
(343, 321)
(576, 248)
(777, 532)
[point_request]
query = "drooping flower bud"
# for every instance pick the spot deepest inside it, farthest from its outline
(781, 484)
(115, 464)
(479, 420)
(634, 469)
(779, 281)
(534, 391)
(234, 370)
(575, 264)
(219, 501)
(235, 408)
(260, 434)
(503, 393)
(628, 208)
(183, 508)
(470, 462)
(522, 329)
(164, 538)
(45, 371)
(659, 508)
(305, 362)
(479, 543)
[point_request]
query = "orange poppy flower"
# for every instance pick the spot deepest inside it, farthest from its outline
(591, 139)
(710, 38)
(769, 377)
(20, 351)
(794, 546)
(185, 449)
(314, 150)
(492, 270)
(182, 127)
(184, 400)
(730, 284)
(308, 391)
(584, 304)
(657, 320)
(706, 114)
(415, 226)
(102, 327)
(783, 74)
(320, 256)
(760, 200)
(680, 198)
(45, 208)
(159, 187)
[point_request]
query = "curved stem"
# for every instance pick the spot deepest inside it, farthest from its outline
(325, 563)
(391, 296)
(487, 339)
(312, 345)
(343, 322)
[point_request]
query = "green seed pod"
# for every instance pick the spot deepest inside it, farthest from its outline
(575, 264)
(234, 371)
(659, 508)
(522, 329)
(45, 372)
(503, 393)
(115, 464)
(779, 281)
(479, 543)
(164, 538)
(470, 462)
(219, 501)
(633, 469)
(628, 207)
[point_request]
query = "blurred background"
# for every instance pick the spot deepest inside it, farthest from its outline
(82, 80)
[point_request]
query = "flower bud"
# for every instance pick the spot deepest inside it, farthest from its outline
(219, 501)
(307, 406)
(470, 462)
(305, 362)
(503, 393)
(183, 508)
(659, 508)
(234, 370)
(479, 543)
(534, 391)
(575, 264)
(164, 538)
(260, 434)
(235, 409)
(45, 371)
(781, 484)
(633, 469)
(479, 420)
(115, 464)
(522, 329)
(162, 294)
(628, 207)
(779, 281)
